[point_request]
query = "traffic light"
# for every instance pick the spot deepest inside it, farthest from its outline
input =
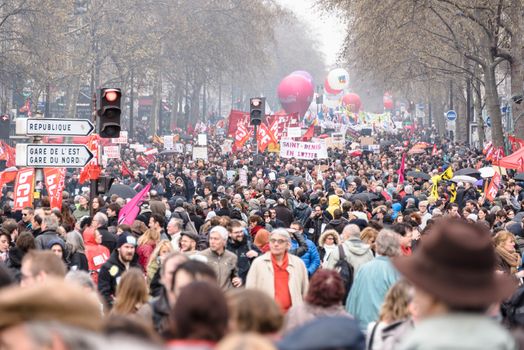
(108, 110)
(5, 125)
(80, 7)
(103, 184)
(257, 109)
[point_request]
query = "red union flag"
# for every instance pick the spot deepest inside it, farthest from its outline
(265, 137)
(54, 182)
(278, 122)
(24, 185)
(241, 136)
(92, 170)
(493, 187)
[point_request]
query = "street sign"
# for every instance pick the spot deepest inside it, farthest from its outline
(451, 115)
(53, 127)
(52, 156)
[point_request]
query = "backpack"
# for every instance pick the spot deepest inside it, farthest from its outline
(345, 270)
(513, 309)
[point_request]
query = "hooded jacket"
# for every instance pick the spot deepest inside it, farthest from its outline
(357, 254)
(110, 274)
(302, 212)
(333, 204)
(96, 254)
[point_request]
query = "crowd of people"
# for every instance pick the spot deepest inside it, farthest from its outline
(264, 252)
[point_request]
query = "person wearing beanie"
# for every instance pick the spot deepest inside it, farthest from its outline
(121, 260)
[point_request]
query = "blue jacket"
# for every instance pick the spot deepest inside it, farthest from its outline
(372, 281)
(311, 258)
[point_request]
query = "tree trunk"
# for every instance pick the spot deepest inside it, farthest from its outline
(516, 65)
(72, 97)
(493, 104)
(478, 113)
(157, 102)
(195, 102)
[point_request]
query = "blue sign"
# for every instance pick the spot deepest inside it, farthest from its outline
(451, 115)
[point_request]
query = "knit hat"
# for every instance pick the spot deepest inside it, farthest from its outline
(125, 238)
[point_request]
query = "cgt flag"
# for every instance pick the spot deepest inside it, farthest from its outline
(24, 185)
(55, 182)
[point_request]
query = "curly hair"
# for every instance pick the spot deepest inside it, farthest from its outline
(326, 288)
(396, 302)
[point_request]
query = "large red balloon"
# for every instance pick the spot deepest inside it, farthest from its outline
(295, 93)
(353, 101)
(329, 90)
(388, 103)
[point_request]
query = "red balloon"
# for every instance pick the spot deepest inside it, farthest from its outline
(388, 104)
(329, 90)
(352, 100)
(295, 93)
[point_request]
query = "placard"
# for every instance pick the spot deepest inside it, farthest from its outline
(227, 146)
(122, 139)
(112, 152)
(202, 140)
(303, 150)
(179, 147)
(168, 142)
(199, 153)
(294, 131)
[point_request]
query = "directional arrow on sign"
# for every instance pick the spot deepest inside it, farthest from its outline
(54, 127)
(51, 156)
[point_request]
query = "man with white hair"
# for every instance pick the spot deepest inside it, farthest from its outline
(222, 261)
(409, 195)
(281, 275)
(355, 250)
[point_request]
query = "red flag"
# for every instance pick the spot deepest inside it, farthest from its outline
(141, 160)
(516, 143)
(493, 187)
(265, 137)
(23, 191)
(126, 171)
(434, 152)
(241, 136)
(488, 147)
(309, 133)
(92, 170)
(55, 182)
(400, 171)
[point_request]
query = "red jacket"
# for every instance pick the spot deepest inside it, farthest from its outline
(96, 253)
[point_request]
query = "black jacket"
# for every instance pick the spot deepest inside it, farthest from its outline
(337, 225)
(313, 228)
(109, 274)
(240, 249)
(78, 261)
(302, 212)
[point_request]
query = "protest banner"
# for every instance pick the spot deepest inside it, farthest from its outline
(112, 152)
(199, 153)
(303, 150)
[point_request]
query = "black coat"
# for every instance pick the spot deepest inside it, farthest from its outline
(240, 249)
(108, 239)
(109, 273)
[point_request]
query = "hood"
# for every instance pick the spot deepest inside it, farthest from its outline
(324, 235)
(56, 241)
(89, 236)
(357, 247)
(396, 207)
(302, 207)
(333, 201)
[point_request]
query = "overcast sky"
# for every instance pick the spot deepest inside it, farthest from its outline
(329, 30)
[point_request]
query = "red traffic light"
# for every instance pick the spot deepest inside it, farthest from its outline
(111, 95)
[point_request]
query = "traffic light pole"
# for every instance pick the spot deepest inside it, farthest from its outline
(39, 172)
(256, 140)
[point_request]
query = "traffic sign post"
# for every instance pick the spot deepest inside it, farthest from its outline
(451, 115)
(52, 156)
(53, 127)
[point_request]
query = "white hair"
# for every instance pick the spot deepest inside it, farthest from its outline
(221, 230)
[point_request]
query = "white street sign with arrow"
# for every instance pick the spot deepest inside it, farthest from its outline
(54, 127)
(51, 156)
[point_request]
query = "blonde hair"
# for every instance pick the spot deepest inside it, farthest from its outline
(152, 264)
(149, 236)
(369, 235)
(501, 237)
(396, 302)
(131, 292)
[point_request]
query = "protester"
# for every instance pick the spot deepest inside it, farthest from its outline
(38, 266)
(131, 292)
(121, 260)
(281, 275)
(373, 279)
(452, 300)
(324, 298)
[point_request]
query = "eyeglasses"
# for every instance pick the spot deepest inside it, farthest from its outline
(279, 241)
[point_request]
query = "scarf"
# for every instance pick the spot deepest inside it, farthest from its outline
(511, 258)
(329, 249)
